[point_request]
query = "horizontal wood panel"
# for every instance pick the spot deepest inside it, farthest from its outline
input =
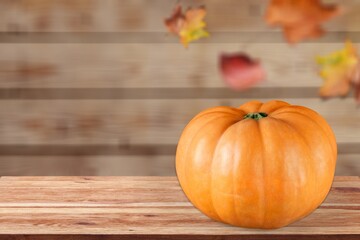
(142, 15)
(136, 121)
(248, 37)
(347, 165)
(151, 65)
(114, 149)
(157, 93)
(70, 205)
(88, 166)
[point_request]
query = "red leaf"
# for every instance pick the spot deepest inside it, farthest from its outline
(240, 71)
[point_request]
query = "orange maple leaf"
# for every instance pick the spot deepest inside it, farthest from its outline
(340, 70)
(189, 26)
(300, 19)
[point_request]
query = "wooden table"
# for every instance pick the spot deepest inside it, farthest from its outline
(149, 208)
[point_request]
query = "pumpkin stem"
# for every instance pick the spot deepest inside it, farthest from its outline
(256, 115)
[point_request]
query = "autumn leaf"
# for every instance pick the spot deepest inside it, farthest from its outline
(300, 19)
(356, 83)
(240, 72)
(189, 26)
(340, 70)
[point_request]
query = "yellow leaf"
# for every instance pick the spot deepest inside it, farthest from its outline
(189, 26)
(338, 70)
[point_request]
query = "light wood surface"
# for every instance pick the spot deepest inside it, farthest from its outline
(149, 207)
(138, 86)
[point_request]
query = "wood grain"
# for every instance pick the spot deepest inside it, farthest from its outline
(140, 15)
(138, 165)
(122, 165)
(136, 121)
(151, 207)
(137, 65)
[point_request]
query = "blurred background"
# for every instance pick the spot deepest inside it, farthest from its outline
(98, 87)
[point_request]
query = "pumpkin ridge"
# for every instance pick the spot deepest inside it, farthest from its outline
(328, 132)
(270, 111)
(211, 167)
(324, 132)
(303, 139)
(234, 185)
(309, 155)
(316, 123)
(189, 146)
(263, 173)
(257, 104)
(208, 111)
(280, 108)
(185, 152)
(231, 127)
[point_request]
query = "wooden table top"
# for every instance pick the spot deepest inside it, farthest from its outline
(149, 208)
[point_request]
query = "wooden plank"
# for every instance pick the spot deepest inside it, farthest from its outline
(135, 121)
(144, 206)
(121, 165)
(141, 65)
(139, 15)
(145, 165)
(348, 164)
(157, 93)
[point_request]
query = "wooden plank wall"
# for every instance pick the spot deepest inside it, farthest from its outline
(66, 66)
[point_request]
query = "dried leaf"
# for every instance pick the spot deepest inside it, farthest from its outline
(240, 71)
(356, 83)
(176, 21)
(189, 26)
(300, 19)
(339, 70)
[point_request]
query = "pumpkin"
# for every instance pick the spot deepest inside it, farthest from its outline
(262, 165)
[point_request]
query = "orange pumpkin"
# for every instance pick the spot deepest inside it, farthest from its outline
(262, 165)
